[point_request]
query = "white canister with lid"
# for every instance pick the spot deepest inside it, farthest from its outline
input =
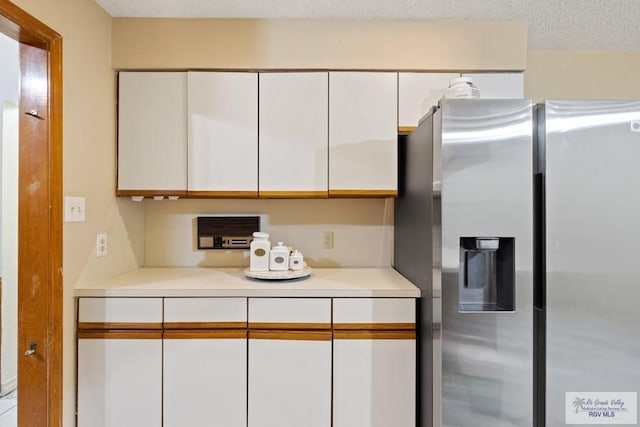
(296, 261)
(279, 258)
(462, 87)
(260, 245)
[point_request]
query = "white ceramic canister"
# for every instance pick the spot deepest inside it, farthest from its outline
(279, 258)
(296, 261)
(462, 87)
(260, 245)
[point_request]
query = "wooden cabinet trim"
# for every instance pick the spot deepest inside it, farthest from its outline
(289, 326)
(150, 193)
(375, 326)
(362, 193)
(222, 194)
(374, 335)
(405, 130)
(205, 325)
(205, 334)
(291, 335)
(122, 335)
(293, 194)
(119, 325)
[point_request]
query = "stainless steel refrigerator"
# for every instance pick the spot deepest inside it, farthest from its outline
(589, 161)
(520, 223)
(466, 186)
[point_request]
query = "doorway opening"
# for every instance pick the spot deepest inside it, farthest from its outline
(39, 229)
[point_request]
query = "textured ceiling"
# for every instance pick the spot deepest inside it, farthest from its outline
(552, 24)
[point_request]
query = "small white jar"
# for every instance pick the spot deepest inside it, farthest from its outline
(462, 87)
(296, 261)
(260, 246)
(279, 258)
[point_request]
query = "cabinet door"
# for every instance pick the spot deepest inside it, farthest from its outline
(120, 379)
(152, 133)
(363, 134)
(417, 93)
(294, 127)
(205, 378)
(119, 313)
(498, 85)
(289, 379)
(205, 313)
(290, 313)
(223, 134)
(374, 379)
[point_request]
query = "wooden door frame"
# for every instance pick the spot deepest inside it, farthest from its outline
(24, 28)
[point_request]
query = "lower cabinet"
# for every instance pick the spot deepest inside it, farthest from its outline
(205, 378)
(289, 379)
(233, 362)
(120, 379)
(374, 379)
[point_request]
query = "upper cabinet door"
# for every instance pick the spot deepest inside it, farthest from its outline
(152, 133)
(498, 85)
(363, 134)
(223, 134)
(417, 93)
(294, 141)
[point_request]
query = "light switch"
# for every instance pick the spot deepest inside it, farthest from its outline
(74, 209)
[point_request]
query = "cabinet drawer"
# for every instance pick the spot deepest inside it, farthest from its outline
(374, 313)
(205, 313)
(120, 313)
(290, 313)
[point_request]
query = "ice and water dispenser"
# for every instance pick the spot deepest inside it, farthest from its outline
(487, 274)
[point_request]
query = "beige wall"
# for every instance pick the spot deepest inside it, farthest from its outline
(582, 75)
(318, 44)
(363, 231)
(88, 155)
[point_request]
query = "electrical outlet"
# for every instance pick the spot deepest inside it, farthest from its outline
(101, 244)
(328, 239)
(73, 209)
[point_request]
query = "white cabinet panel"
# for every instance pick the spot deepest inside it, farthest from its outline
(289, 383)
(418, 92)
(498, 85)
(223, 131)
(374, 310)
(290, 310)
(120, 310)
(363, 132)
(374, 382)
(293, 135)
(205, 310)
(205, 382)
(120, 382)
(152, 131)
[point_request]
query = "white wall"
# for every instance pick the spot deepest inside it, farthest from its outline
(9, 85)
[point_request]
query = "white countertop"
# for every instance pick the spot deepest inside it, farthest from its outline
(228, 282)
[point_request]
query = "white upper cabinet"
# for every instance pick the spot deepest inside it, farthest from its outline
(223, 133)
(363, 133)
(293, 134)
(152, 133)
(418, 92)
(498, 85)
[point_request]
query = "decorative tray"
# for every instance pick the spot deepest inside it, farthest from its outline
(278, 275)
